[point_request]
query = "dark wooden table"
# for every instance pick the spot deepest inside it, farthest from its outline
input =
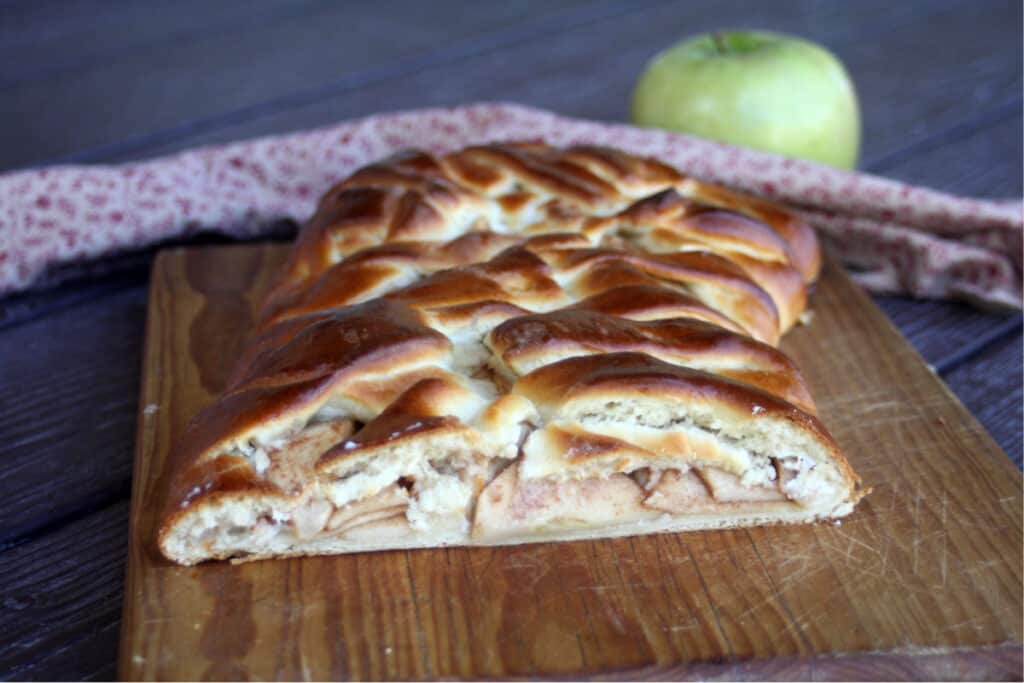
(103, 81)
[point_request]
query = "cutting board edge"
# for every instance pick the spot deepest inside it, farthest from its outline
(138, 467)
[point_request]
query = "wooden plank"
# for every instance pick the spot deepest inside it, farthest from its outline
(39, 40)
(159, 85)
(62, 601)
(938, 329)
(70, 393)
(982, 161)
(930, 563)
(590, 69)
(982, 344)
(922, 79)
(990, 386)
(991, 115)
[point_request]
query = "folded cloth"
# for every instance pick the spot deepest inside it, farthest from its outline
(895, 237)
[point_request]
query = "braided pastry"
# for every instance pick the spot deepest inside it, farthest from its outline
(514, 343)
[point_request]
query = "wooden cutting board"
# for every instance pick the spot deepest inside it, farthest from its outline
(924, 580)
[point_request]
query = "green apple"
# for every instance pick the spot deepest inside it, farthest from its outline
(754, 88)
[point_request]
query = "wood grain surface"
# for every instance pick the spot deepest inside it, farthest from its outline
(924, 580)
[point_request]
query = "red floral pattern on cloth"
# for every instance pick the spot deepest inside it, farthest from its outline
(898, 238)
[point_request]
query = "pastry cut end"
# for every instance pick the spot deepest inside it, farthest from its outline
(509, 510)
(564, 480)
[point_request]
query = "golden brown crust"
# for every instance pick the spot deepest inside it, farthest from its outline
(448, 297)
(619, 374)
(799, 235)
(531, 341)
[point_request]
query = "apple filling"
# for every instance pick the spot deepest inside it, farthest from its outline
(513, 505)
(450, 497)
(391, 492)
(438, 497)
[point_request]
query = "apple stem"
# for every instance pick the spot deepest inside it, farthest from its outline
(719, 41)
